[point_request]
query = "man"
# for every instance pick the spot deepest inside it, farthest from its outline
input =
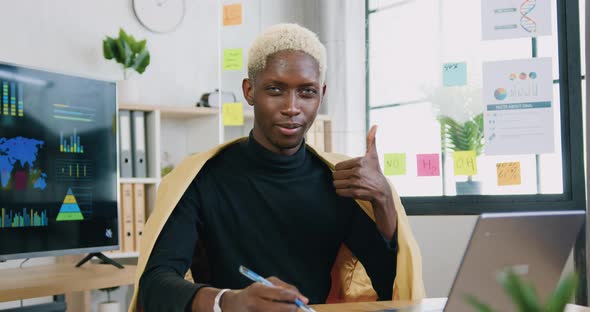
(272, 204)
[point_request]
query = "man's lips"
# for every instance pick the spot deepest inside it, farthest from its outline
(289, 128)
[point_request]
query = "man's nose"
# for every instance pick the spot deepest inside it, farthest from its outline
(292, 106)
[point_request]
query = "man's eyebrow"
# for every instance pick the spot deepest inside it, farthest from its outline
(309, 84)
(274, 81)
(282, 83)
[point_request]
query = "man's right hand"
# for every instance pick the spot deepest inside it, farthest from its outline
(256, 297)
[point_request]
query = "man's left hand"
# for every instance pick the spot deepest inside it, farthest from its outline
(361, 178)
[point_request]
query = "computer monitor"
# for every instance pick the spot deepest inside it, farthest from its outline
(58, 163)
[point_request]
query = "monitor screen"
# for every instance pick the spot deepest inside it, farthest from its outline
(58, 163)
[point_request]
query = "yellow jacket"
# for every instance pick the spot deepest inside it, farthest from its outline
(350, 282)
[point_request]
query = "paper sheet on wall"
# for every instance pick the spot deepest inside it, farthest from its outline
(233, 59)
(233, 114)
(232, 14)
(518, 107)
(465, 163)
(508, 173)
(454, 74)
(504, 19)
(428, 165)
(394, 164)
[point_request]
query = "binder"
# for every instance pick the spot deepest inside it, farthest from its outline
(127, 216)
(139, 212)
(138, 144)
(125, 159)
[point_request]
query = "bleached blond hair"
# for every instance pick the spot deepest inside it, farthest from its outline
(285, 37)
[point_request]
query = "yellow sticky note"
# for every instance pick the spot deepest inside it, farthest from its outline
(508, 173)
(233, 114)
(233, 59)
(232, 14)
(465, 163)
(395, 164)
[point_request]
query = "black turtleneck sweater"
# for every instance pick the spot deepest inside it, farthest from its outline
(277, 215)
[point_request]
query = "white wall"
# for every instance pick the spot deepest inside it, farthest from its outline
(66, 36)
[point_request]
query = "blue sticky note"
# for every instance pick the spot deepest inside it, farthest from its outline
(454, 74)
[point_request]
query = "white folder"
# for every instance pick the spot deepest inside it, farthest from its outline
(125, 160)
(138, 144)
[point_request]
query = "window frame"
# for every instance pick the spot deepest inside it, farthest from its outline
(570, 86)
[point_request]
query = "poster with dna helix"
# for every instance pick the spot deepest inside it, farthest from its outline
(506, 19)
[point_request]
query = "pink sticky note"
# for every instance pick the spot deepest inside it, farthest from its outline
(428, 165)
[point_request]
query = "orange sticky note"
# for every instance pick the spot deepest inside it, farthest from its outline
(465, 163)
(233, 114)
(232, 14)
(508, 173)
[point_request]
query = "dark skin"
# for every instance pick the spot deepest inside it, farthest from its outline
(286, 96)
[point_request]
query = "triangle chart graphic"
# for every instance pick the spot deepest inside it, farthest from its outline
(70, 211)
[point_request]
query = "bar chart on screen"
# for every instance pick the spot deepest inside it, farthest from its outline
(73, 113)
(74, 170)
(70, 144)
(11, 99)
(11, 219)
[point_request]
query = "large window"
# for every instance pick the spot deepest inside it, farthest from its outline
(409, 46)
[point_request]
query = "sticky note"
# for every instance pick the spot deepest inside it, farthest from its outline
(395, 164)
(233, 114)
(454, 74)
(233, 59)
(428, 165)
(232, 14)
(508, 173)
(465, 163)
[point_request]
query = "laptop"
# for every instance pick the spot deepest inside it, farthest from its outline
(535, 245)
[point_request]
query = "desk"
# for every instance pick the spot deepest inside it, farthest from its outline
(431, 304)
(60, 278)
(434, 304)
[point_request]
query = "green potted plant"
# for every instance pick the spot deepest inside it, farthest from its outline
(463, 136)
(525, 298)
(133, 55)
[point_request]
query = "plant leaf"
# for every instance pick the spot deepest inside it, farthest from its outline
(142, 61)
(462, 137)
(523, 295)
(107, 52)
(562, 294)
(132, 43)
(114, 48)
(139, 46)
(478, 305)
(125, 52)
(123, 34)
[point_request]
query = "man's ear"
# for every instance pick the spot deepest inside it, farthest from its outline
(248, 90)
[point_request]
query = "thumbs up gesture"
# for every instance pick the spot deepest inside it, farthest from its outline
(361, 178)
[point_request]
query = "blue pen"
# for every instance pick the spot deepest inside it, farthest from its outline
(257, 278)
